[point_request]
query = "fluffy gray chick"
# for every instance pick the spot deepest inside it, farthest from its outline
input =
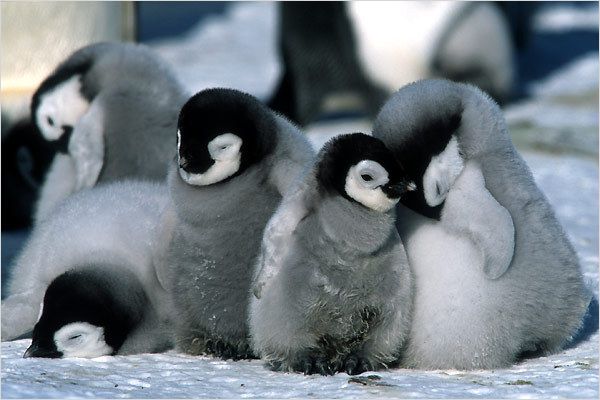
(496, 276)
(333, 290)
(236, 159)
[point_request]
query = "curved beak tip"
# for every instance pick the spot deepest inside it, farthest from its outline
(36, 351)
(30, 352)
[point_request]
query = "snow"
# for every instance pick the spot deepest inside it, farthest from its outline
(580, 76)
(566, 17)
(561, 114)
(236, 50)
(572, 373)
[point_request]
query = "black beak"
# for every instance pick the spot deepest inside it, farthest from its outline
(36, 351)
(395, 191)
(183, 162)
(61, 144)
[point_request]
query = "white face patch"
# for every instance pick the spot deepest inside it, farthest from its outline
(81, 339)
(441, 173)
(225, 150)
(63, 105)
(363, 184)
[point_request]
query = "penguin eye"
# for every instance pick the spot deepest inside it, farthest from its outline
(50, 121)
(366, 177)
(74, 337)
(225, 147)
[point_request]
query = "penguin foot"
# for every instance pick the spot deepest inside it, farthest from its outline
(227, 350)
(355, 364)
(311, 363)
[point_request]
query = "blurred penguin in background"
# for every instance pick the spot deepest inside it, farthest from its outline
(26, 157)
(370, 49)
(319, 59)
(109, 110)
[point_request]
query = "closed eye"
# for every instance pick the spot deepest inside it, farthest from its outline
(74, 337)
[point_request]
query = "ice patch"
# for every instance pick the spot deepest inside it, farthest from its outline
(567, 17)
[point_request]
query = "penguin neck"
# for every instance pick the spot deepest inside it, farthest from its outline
(203, 204)
(483, 127)
(354, 225)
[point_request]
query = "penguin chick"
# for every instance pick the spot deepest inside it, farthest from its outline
(235, 159)
(89, 312)
(495, 275)
(400, 42)
(118, 224)
(109, 110)
(332, 289)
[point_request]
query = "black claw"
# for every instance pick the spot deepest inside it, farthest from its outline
(365, 365)
(225, 350)
(351, 364)
(209, 346)
(221, 348)
(355, 365)
(274, 365)
(307, 367)
(324, 368)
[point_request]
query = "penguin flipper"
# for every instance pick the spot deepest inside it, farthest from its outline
(86, 146)
(168, 221)
(59, 183)
(278, 233)
(472, 210)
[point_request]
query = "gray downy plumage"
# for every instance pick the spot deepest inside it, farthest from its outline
(332, 288)
(496, 276)
(219, 221)
(110, 109)
(119, 224)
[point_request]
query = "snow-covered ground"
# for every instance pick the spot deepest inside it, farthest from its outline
(570, 374)
(564, 104)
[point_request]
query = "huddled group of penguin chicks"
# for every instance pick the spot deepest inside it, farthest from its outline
(426, 244)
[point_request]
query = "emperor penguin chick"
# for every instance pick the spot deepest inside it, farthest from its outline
(332, 289)
(235, 160)
(118, 224)
(496, 278)
(109, 110)
(93, 311)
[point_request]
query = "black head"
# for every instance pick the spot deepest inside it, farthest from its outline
(221, 133)
(361, 169)
(59, 102)
(428, 156)
(83, 316)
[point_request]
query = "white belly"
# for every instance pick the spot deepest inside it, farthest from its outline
(452, 309)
